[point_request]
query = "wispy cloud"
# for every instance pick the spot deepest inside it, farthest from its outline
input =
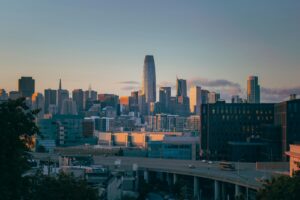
(130, 88)
(278, 94)
(129, 82)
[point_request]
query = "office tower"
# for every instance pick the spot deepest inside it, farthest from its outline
(69, 107)
(134, 102)
(3, 95)
(204, 96)
(149, 79)
(61, 96)
(287, 118)
(181, 87)
(38, 102)
(213, 97)
(222, 123)
(253, 90)
(143, 106)
(50, 99)
(13, 95)
(164, 99)
(26, 86)
(78, 97)
(195, 99)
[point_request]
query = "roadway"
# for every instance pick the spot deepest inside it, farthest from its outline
(246, 176)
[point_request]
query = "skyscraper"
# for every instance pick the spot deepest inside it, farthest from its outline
(78, 97)
(50, 99)
(213, 97)
(26, 86)
(164, 99)
(38, 103)
(195, 99)
(61, 96)
(253, 90)
(181, 88)
(149, 79)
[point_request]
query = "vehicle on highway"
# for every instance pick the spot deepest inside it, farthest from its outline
(191, 166)
(227, 166)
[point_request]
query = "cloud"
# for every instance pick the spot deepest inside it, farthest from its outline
(225, 87)
(167, 84)
(278, 94)
(130, 88)
(129, 82)
(213, 83)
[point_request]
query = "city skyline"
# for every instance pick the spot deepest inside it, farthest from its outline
(213, 45)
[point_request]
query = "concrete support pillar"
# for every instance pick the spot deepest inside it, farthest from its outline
(175, 178)
(216, 190)
(223, 191)
(237, 190)
(169, 179)
(146, 176)
(196, 187)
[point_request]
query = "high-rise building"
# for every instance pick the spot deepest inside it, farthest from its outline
(213, 97)
(26, 86)
(61, 96)
(195, 99)
(222, 123)
(253, 90)
(134, 102)
(69, 107)
(78, 97)
(149, 79)
(38, 103)
(164, 99)
(3, 95)
(181, 88)
(50, 99)
(287, 117)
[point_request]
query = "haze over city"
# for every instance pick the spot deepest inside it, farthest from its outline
(216, 45)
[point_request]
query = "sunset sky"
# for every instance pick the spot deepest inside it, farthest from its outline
(216, 44)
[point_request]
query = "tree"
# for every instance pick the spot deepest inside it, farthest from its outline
(283, 187)
(17, 126)
(62, 187)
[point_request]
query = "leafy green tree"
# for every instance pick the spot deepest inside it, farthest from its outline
(17, 126)
(62, 187)
(283, 187)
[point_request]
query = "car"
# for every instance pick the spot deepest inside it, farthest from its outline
(210, 162)
(203, 161)
(191, 166)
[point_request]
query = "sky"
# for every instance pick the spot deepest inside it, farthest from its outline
(214, 44)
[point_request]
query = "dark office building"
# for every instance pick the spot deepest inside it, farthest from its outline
(287, 117)
(26, 86)
(164, 99)
(50, 98)
(222, 123)
(134, 102)
(78, 97)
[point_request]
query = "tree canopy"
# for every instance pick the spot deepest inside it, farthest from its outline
(283, 187)
(16, 128)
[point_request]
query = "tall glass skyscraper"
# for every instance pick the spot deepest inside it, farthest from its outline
(26, 86)
(181, 87)
(149, 79)
(253, 90)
